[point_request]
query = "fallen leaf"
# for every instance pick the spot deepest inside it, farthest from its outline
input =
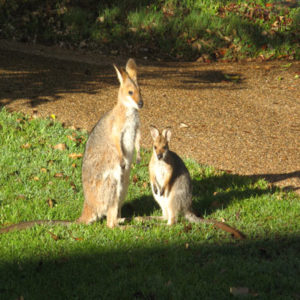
(239, 291)
(187, 245)
(26, 146)
(135, 178)
(51, 203)
(35, 178)
(43, 170)
(72, 138)
(75, 155)
(58, 175)
(75, 238)
(183, 125)
(145, 184)
(73, 186)
(232, 78)
(286, 66)
(54, 236)
(60, 147)
(187, 228)
(74, 165)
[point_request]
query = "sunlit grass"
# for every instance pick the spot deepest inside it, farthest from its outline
(138, 260)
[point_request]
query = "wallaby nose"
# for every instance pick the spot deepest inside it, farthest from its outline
(141, 103)
(159, 156)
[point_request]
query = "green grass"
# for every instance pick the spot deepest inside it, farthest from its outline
(139, 260)
(168, 29)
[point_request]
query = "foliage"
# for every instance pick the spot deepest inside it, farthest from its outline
(40, 164)
(168, 29)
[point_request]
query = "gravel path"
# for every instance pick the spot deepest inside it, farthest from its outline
(240, 117)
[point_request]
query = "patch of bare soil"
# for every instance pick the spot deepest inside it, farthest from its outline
(240, 117)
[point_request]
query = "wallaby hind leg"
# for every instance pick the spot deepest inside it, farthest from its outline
(172, 214)
(172, 219)
(112, 216)
(113, 203)
(88, 215)
(165, 213)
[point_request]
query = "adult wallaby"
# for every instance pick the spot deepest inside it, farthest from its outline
(171, 183)
(108, 156)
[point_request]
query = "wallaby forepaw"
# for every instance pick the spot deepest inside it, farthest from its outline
(155, 189)
(162, 191)
(123, 164)
(121, 220)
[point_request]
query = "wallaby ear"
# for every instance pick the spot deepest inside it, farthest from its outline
(154, 132)
(131, 69)
(167, 134)
(121, 74)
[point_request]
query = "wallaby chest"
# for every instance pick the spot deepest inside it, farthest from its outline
(129, 131)
(161, 171)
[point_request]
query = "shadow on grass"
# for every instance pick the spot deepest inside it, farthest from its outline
(209, 194)
(269, 268)
(141, 206)
(273, 178)
(216, 192)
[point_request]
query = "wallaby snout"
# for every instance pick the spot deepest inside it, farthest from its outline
(141, 103)
(159, 156)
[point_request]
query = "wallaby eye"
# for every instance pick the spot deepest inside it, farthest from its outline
(165, 147)
(155, 147)
(130, 93)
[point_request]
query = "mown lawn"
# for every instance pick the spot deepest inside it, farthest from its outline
(40, 163)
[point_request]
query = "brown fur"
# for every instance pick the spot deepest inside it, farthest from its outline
(171, 183)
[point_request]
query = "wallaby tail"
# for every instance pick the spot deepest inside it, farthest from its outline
(191, 217)
(29, 224)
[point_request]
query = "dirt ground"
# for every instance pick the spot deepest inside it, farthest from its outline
(240, 117)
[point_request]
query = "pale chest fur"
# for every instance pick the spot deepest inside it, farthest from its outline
(129, 132)
(160, 170)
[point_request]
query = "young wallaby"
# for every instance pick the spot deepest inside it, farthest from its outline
(108, 156)
(171, 183)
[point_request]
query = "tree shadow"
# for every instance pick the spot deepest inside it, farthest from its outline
(200, 78)
(42, 79)
(142, 206)
(209, 194)
(205, 270)
(276, 177)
